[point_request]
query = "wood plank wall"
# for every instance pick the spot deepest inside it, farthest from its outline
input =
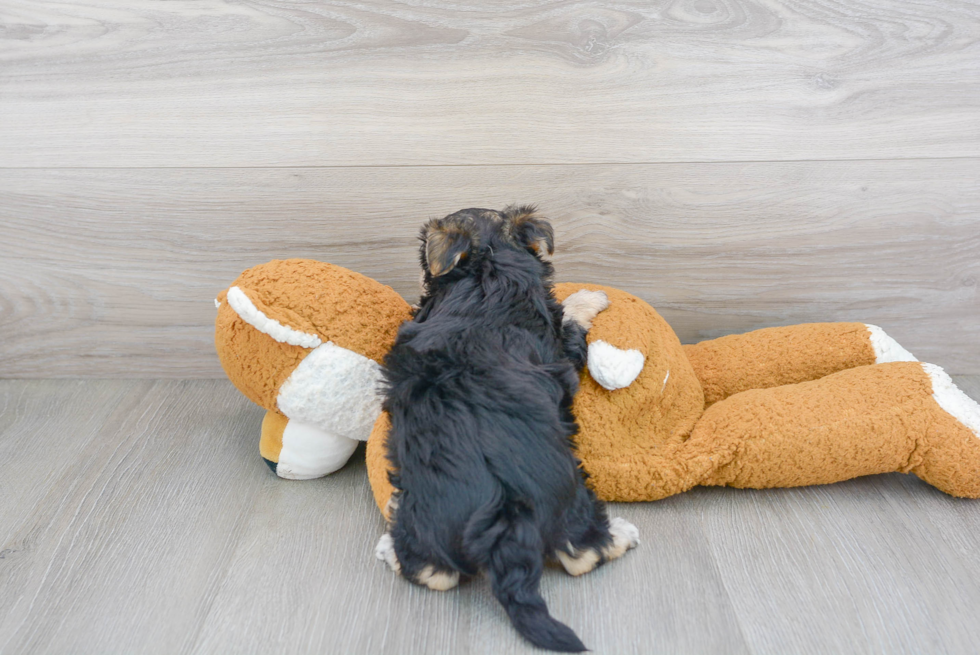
(736, 163)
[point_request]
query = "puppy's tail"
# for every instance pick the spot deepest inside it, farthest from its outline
(513, 549)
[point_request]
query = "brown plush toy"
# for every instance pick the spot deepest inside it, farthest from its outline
(304, 340)
(779, 407)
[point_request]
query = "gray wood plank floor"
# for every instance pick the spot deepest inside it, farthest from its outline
(136, 516)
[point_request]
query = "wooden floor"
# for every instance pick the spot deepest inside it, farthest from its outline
(137, 517)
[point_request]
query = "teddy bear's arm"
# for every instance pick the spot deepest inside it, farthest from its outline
(617, 344)
(787, 355)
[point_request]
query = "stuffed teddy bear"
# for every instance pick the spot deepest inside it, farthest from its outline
(777, 407)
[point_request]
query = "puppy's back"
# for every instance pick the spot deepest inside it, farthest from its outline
(472, 411)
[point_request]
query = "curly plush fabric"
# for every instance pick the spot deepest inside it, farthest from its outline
(771, 357)
(333, 304)
(378, 466)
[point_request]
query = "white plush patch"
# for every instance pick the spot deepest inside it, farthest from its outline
(614, 368)
(308, 452)
(254, 317)
(886, 348)
(335, 389)
(952, 399)
(217, 305)
(664, 385)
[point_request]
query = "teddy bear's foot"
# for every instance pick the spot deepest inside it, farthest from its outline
(948, 457)
(299, 451)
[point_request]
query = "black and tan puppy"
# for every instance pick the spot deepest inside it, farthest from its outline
(480, 388)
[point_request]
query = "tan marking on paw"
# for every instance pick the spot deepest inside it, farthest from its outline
(583, 306)
(390, 508)
(438, 580)
(579, 562)
(385, 551)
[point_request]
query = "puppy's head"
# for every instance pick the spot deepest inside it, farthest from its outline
(455, 242)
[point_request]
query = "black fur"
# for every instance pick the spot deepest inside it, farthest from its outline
(479, 391)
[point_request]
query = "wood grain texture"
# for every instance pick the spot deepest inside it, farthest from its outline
(280, 83)
(853, 567)
(113, 272)
(33, 418)
(124, 552)
(155, 528)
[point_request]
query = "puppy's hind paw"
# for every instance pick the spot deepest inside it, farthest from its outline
(438, 580)
(583, 306)
(385, 551)
(625, 536)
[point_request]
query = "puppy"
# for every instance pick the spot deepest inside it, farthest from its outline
(479, 391)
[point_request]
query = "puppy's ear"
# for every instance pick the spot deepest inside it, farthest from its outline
(446, 243)
(529, 230)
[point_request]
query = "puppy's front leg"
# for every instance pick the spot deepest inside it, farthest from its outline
(578, 310)
(385, 550)
(583, 306)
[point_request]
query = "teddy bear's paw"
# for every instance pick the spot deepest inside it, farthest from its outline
(583, 306)
(307, 452)
(385, 551)
(887, 349)
(625, 536)
(952, 399)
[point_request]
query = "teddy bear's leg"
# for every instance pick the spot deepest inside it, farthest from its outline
(903, 416)
(776, 356)
(949, 457)
(299, 451)
(664, 470)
